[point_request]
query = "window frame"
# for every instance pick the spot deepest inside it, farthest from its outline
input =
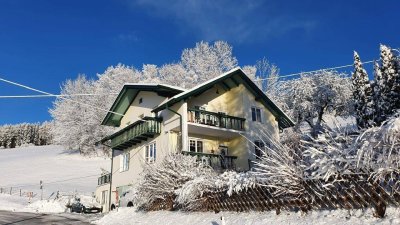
(256, 114)
(196, 145)
(150, 152)
(259, 148)
(124, 163)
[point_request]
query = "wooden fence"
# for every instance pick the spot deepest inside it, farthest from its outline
(348, 192)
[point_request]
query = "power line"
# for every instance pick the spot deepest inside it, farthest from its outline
(52, 182)
(67, 99)
(331, 68)
(46, 96)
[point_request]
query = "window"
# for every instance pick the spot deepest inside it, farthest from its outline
(124, 162)
(140, 100)
(150, 152)
(256, 114)
(259, 149)
(195, 145)
(104, 196)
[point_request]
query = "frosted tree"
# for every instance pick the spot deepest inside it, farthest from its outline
(312, 96)
(205, 61)
(363, 95)
(71, 117)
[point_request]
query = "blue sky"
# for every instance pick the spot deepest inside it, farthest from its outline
(43, 43)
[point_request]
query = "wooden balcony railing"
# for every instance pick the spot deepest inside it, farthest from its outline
(135, 133)
(216, 161)
(104, 179)
(215, 119)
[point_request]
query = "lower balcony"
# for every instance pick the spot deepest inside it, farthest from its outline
(135, 133)
(216, 161)
(104, 179)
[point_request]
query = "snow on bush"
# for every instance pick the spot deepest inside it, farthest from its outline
(279, 167)
(165, 178)
(378, 148)
(328, 156)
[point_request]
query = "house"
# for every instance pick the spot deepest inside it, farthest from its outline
(215, 121)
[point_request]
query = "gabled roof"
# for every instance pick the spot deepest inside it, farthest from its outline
(129, 93)
(230, 80)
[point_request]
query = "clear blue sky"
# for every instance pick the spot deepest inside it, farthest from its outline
(43, 43)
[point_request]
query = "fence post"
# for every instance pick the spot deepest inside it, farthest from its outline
(20, 193)
(10, 190)
(1, 190)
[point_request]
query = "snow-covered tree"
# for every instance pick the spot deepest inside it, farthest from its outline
(205, 61)
(363, 95)
(314, 95)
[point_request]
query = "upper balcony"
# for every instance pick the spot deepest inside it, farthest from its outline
(135, 133)
(215, 119)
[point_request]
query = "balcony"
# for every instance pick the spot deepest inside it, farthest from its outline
(135, 133)
(104, 179)
(220, 120)
(216, 161)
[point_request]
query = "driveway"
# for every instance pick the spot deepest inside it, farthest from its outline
(22, 218)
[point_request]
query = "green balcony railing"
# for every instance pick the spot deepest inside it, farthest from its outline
(216, 161)
(215, 119)
(136, 133)
(104, 179)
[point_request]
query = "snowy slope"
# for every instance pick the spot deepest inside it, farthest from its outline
(60, 170)
(127, 216)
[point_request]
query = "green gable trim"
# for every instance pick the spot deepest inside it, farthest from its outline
(230, 80)
(128, 95)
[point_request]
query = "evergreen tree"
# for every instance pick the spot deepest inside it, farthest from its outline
(363, 94)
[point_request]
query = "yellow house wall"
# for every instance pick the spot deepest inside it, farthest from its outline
(150, 101)
(238, 102)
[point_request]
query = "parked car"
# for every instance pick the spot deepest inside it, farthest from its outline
(78, 207)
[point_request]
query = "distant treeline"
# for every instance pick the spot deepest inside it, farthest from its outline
(16, 135)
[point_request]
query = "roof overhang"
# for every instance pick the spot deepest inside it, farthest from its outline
(228, 80)
(129, 93)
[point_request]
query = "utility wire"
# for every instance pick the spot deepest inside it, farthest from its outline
(331, 68)
(67, 99)
(52, 182)
(45, 96)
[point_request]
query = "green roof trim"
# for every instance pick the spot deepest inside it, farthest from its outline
(230, 80)
(129, 93)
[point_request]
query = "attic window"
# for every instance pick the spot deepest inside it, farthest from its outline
(140, 100)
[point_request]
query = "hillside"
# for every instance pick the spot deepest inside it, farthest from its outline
(60, 170)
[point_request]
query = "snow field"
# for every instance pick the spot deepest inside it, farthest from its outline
(127, 216)
(59, 169)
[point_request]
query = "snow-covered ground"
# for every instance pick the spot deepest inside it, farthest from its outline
(60, 170)
(127, 216)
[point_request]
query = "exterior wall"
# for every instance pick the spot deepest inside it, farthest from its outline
(235, 102)
(150, 101)
(98, 194)
(238, 102)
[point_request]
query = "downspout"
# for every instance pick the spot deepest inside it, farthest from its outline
(111, 175)
(180, 122)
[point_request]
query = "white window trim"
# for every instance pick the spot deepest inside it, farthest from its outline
(147, 157)
(196, 146)
(124, 161)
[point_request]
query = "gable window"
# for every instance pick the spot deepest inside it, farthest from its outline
(256, 114)
(259, 149)
(195, 145)
(124, 162)
(150, 152)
